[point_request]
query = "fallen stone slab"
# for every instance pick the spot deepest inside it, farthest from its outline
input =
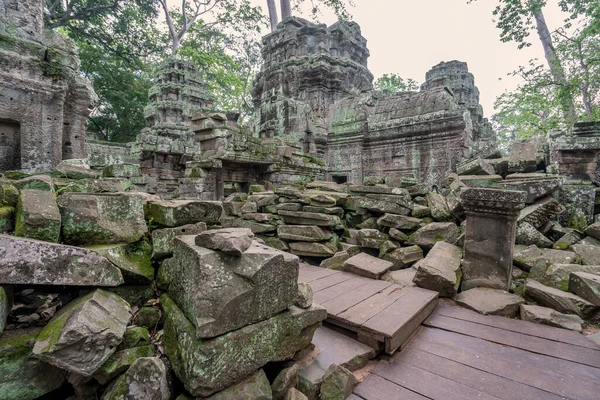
(535, 187)
(38, 216)
(489, 301)
(439, 207)
(336, 261)
(568, 239)
(525, 257)
(440, 270)
(294, 394)
(477, 166)
(362, 190)
(146, 379)
(321, 200)
(338, 211)
(590, 254)
(382, 206)
(134, 260)
(258, 217)
(593, 230)
(311, 249)
(174, 213)
(32, 262)
(264, 199)
(97, 219)
(550, 317)
(586, 285)
(366, 265)
(255, 387)
(163, 240)
(404, 257)
(285, 381)
(36, 182)
(563, 302)
(404, 200)
(304, 298)
(527, 235)
(208, 366)
(306, 218)
(540, 212)
(371, 238)
(121, 360)
(427, 236)
(232, 241)
(595, 338)
(557, 275)
(303, 233)
(220, 292)
(338, 383)
(84, 333)
(400, 222)
(21, 375)
(331, 348)
(256, 227)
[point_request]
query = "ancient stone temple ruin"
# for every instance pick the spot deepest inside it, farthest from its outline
(301, 256)
(44, 102)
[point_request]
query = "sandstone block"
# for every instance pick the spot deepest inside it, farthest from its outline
(550, 317)
(311, 249)
(306, 218)
(400, 222)
(404, 257)
(255, 387)
(527, 235)
(586, 285)
(304, 298)
(146, 379)
(120, 361)
(286, 380)
(590, 254)
(440, 270)
(163, 240)
(303, 233)
(233, 241)
(525, 257)
(490, 301)
(560, 301)
(439, 207)
(336, 261)
(557, 275)
(174, 213)
(540, 212)
(38, 216)
(366, 265)
(427, 236)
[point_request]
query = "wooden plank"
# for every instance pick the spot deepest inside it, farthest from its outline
(401, 338)
(425, 383)
(525, 327)
(340, 289)
(345, 301)
(390, 320)
(329, 281)
(367, 309)
(518, 340)
(308, 273)
(481, 380)
(376, 388)
(560, 377)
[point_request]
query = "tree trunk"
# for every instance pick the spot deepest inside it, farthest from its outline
(273, 17)
(556, 69)
(286, 9)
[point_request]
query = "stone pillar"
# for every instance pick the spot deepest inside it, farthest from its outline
(490, 237)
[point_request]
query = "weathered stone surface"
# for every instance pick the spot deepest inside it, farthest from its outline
(568, 239)
(6, 303)
(120, 361)
(398, 235)
(258, 217)
(590, 254)
(306, 218)
(9, 194)
(535, 187)
(593, 230)
(540, 212)
(338, 211)
(255, 227)
(294, 394)
(400, 222)
(440, 270)
(220, 292)
(550, 317)
(427, 236)
(36, 182)
(527, 235)
(31, 262)
(23, 377)
(439, 207)
(370, 238)
(174, 213)
(304, 299)
(338, 383)
(263, 199)
(102, 218)
(232, 241)
(331, 348)
(85, 333)
(383, 206)
(286, 380)
(525, 257)
(163, 240)
(557, 275)
(207, 366)
(38, 216)
(336, 261)
(133, 259)
(595, 338)
(490, 301)
(135, 336)
(255, 387)
(404, 257)
(146, 379)
(67, 170)
(366, 265)
(402, 277)
(303, 233)
(311, 249)
(586, 285)
(563, 302)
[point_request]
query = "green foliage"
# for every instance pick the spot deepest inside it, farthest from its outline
(339, 7)
(391, 84)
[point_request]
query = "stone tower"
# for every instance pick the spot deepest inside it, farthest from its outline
(44, 101)
(307, 68)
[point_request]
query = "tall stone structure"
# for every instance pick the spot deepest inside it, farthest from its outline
(44, 102)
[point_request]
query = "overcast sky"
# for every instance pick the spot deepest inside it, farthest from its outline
(408, 37)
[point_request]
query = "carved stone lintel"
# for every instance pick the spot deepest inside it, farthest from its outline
(506, 203)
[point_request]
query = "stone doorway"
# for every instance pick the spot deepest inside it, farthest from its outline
(10, 145)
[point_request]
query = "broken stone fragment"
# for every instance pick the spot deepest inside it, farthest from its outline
(383, 206)
(400, 222)
(439, 207)
(420, 211)
(590, 254)
(9, 194)
(304, 299)
(120, 361)
(568, 239)
(310, 249)
(163, 240)
(403, 277)
(36, 182)
(364, 264)
(593, 230)
(306, 218)
(550, 317)
(303, 233)
(294, 394)
(321, 199)
(527, 235)
(208, 366)
(68, 170)
(134, 260)
(100, 219)
(490, 301)
(404, 257)
(255, 227)
(336, 261)
(557, 275)
(440, 270)
(540, 212)
(21, 375)
(264, 199)
(219, 292)
(249, 207)
(338, 211)
(233, 241)
(566, 303)
(525, 257)
(371, 238)
(38, 216)
(427, 236)
(84, 333)
(286, 380)
(121, 171)
(174, 213)
(338, 383)
(32, 262)
(586, 285)
(255, 387)
(146, 379)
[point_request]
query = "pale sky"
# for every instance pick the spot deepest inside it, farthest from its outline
(408, 37)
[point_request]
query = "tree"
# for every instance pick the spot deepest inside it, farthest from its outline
(391, 84)
(273, 17)
(339, 7)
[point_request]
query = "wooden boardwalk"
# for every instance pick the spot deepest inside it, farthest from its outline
(374, 309)
(460, 354)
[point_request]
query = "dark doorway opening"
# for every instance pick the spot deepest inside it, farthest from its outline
(340, 178)
(10, 145)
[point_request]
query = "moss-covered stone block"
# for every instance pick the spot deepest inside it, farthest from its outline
(38, 216)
